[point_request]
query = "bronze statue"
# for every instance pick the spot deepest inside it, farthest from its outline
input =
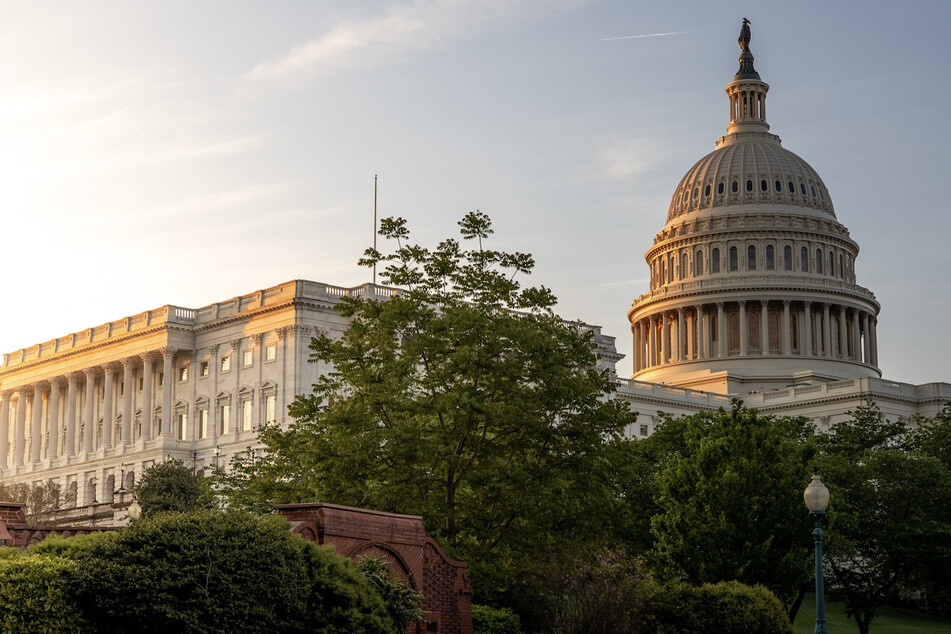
(744, 39)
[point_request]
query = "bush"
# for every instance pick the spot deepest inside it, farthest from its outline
(486, 620)
(35, 596)
(403, 604)
(726, 608)
(213, 571)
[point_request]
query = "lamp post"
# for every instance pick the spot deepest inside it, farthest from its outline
(816, 497)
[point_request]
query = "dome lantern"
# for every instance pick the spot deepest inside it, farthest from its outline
(747, 91)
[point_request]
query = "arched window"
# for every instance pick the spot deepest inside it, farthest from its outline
(792, 189)
(715, 260)
(683, 265)
(670, 268)
(779, 186)
(787, 258)
(714, 327)
(663, 271)
(706, 190)
(698, 259)
(749, 184)
(763, 185)
(841, 268)
(753, 322)
(773, 324)
(735, 187)
(802, 188)
(831, 263)
(770, 258)
(719, 188)
(751, 258)
(804, 259)
(734, 260)
(819, 261)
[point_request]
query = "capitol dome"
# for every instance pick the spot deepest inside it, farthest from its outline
(752, 278)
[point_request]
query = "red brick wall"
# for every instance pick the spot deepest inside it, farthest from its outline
(402, 541)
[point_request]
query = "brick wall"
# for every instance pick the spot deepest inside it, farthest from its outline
(402, 541)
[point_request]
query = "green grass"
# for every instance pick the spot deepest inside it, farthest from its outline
(888, 621)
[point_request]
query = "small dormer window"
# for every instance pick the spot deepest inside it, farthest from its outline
(779, 186)
(802, 188)
(792, 188)
(763, 186)
(706, 190)
(749, 185)
(736, 187)
(720, 188)
(813, 188)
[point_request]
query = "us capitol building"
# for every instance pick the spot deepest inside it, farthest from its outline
(753, 294)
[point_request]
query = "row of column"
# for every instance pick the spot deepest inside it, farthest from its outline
(703, 332)
(64, 424)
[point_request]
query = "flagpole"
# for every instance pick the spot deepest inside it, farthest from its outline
(374, 226)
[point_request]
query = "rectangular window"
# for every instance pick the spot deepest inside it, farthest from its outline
(270, 409)
(121, 388)
(203, 369)
(161, 379)
(643, 430)
(270, 352)
(183, 373)
(225, 419)
(182, 426)
(226, 363)
(248, 358)
(202, 424)
(247, 411)
(141, 382)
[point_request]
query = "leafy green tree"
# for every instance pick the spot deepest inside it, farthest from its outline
(890, 509)
(728, 487)
(402, 602)
(171, 486)
(462, 398)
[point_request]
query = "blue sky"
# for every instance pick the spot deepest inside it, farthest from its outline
(185, 153)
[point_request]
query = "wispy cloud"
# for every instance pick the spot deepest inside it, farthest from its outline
(405, 29)
(637, 37)
(622, 158)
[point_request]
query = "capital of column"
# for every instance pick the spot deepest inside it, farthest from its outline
(110, 366)
(256, 338)
(786, 303)
(213, 351)
(147, 357)
(235, 344)
(89, 373)
(128, 362)
(167, 351)
(281, 332)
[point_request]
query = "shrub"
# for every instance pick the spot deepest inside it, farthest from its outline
(487, 620)
(35, 596)
(726, 608)
(402, 602)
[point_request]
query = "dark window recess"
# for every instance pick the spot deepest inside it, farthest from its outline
(763, 185)
(779, 186)
(749, 186)
(720, 188)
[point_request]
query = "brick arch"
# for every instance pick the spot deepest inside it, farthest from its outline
(396, 564)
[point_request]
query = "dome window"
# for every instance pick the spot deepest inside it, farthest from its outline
(819, 261)
(715, 261)
(813, 188)
(733, 259)
(749, 185)
(696, 193)
(698, 258)
(763, 185)
(804, 260)
(719, 188)
(770, 258)
(779, 187)
(751, 258)
(706, 191)
(792, 188)
(736, 187)
(787, 257)
(831, 263)
(802, 188)
(821, 195)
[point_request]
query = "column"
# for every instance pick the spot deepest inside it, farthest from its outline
(108, 416)
(681, 331)
(764, 326)
(127, 390)
(856, 336)
(665, 341)
(652, 342)
(807, 324)
(721, 331)
(146, 433)
(701, 327)
(785, 341)
(691, 319)
(826, 331)
(744, 331)
(54, 427)
(843, 334)
(89, 412)
(167, 383)
(37, 433)
(873, 328)
(20, 431)
(5, 428)
(70, 446)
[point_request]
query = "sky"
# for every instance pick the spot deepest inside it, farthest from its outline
(183, 152)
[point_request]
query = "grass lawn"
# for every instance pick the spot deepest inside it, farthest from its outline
(888, 621)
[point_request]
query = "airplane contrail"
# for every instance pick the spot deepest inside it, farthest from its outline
(636, 37)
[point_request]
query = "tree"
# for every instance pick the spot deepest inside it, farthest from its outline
(40, 499)
(171, 486)
(890, 510)
(728, 487)
(462, 398)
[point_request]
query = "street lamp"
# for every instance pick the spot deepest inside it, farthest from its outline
(217, 453)
(816, 496)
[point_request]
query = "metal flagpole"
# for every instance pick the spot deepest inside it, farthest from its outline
(374, 226)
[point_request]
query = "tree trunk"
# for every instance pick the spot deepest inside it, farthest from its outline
(794, 609)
